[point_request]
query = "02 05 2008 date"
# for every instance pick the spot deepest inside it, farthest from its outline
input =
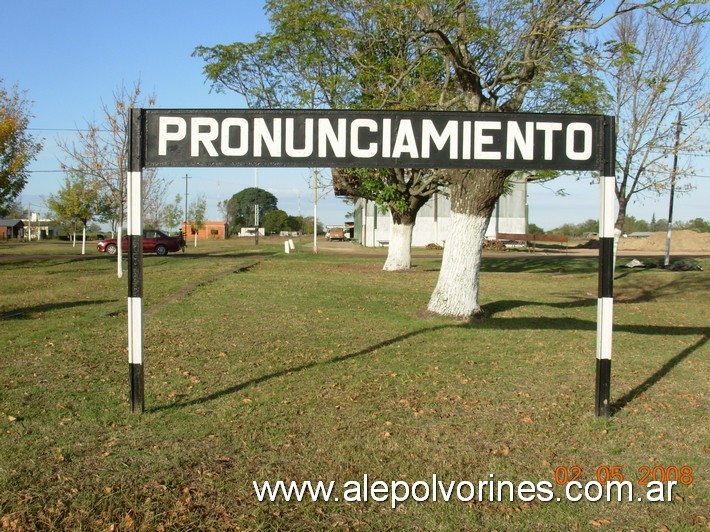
(680, 474)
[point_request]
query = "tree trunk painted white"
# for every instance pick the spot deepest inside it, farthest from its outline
(456, 292)
(196, 238)
(119, 253)
(83, 240)
(617, 236)
(399, 254)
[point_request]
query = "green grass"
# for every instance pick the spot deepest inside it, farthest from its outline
(264, 366)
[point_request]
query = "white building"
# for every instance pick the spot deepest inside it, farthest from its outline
(372, 225)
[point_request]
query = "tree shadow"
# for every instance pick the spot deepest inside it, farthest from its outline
(25, 313)
(628, 397)
(502, 323)
(234, 255)
(289, 371)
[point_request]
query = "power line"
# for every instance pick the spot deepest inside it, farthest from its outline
(73, 130)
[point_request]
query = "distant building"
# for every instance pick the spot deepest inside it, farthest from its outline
(12, 228)
(372, 225)
(37, 228)
(208, 231)
(250, 231)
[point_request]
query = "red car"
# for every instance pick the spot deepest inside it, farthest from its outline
(154, 241)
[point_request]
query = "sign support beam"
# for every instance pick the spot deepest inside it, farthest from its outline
(134, 180)
(605, 302)
(373, 139)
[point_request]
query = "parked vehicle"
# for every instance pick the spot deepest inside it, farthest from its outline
(154, 241)
(335, 233)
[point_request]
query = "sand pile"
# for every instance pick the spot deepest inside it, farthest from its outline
(681, 240)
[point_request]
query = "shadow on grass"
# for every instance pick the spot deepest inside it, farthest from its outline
(624, 400)
(538, 323)
(297, 369)
(199, 255)
(24, 313)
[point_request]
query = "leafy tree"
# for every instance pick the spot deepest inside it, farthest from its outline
(275, 221)
(173, 213)
(240, 207)
(155, 189)
(478, 56)
(196, 215)
(14, 210)
(294, 223)
(101, 153)
(318, 55)
(698, 224)
(307, 226)
(17, 147)
(535, 229)
(80, 199)
(654, 70)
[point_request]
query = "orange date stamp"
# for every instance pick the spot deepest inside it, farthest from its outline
(604, 474)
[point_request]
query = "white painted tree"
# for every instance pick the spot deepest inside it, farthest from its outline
(402, 192)
(508, 57)
(101, 153)
(654, 70)
(478, 56)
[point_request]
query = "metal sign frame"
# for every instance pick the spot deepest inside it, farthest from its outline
(373, 139)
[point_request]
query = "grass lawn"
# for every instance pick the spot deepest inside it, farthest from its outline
(262, 366)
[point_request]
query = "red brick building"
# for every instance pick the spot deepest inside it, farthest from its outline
(209, 231)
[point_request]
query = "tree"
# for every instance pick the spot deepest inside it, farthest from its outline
(317, 55)
(172, 213)
(275, 221)
(155, 188)
(535, 229)
(477, 56)
(196, 215)
(17, 147)
(101, 153)
(403, 192)
(654, 70)
(240, 207)
(307, 226)
(80, 199)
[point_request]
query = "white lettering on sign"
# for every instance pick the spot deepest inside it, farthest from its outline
(549, 128)
(524, 143)
(405, 142)
(204, 131)
(165, 136)
(386, 140)
(449, 135)
(355, 127)
(227, 148)
(328, 137)
(480, 139)
(587, 135)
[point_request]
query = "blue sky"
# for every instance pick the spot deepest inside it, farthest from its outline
(72, 56)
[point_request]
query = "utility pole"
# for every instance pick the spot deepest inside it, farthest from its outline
(186, 178)
(256, 207)
(315, 211)
(678, 128)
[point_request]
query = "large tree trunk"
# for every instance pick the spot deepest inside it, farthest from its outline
(399, 254)
(473, 196)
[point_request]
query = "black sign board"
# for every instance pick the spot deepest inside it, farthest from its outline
(380, 139)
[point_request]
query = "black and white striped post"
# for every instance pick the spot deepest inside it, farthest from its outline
(135, 261)
(605, 303)
(236, 138)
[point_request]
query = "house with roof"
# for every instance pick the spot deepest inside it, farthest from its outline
(12, 228)
(208, 231)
